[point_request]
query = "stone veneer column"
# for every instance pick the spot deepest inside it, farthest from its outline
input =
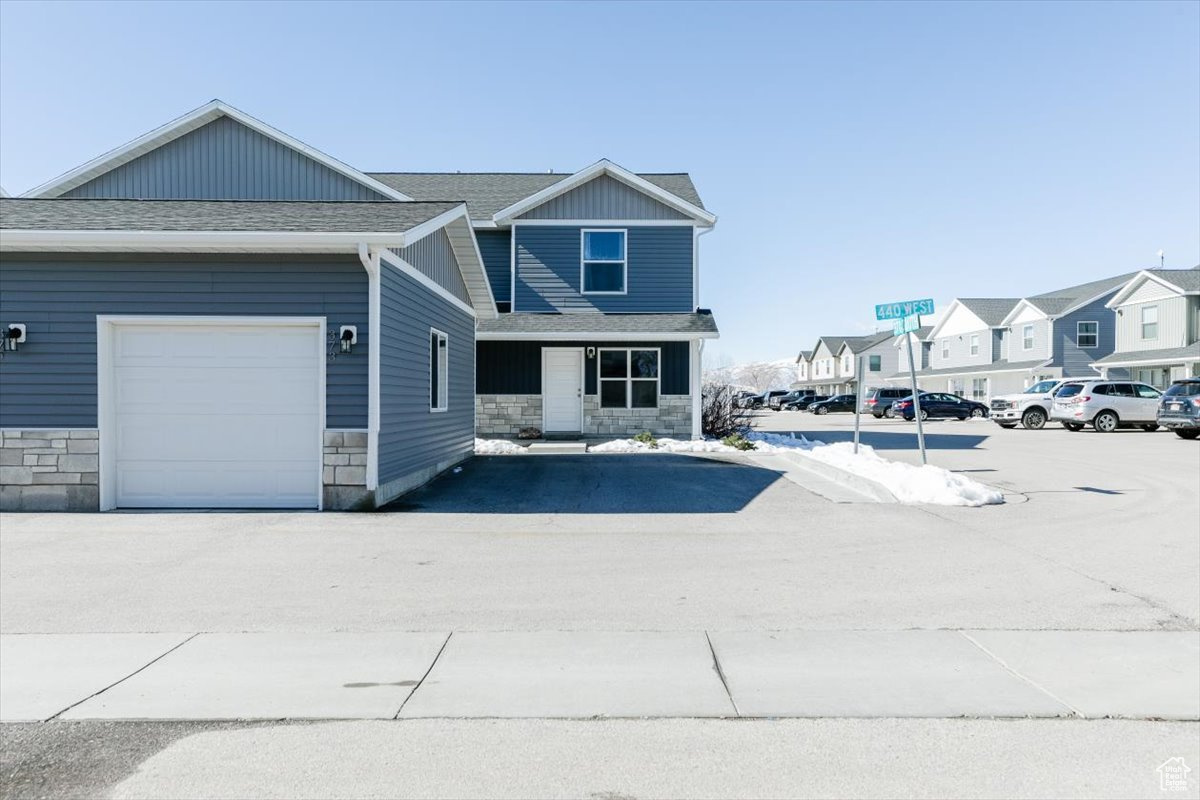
(50, 470)
(344, 471)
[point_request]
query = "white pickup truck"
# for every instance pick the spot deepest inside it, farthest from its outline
(1031, 407)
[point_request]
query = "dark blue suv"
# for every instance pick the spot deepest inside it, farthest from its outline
(1179, 408)
(935, 405)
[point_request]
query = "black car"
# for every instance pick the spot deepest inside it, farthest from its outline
(796, 394)
(840, 402)
(935, 405)
(878, 400)
(764, 400)
(1179, 409)
(743, 399)
(803, 403)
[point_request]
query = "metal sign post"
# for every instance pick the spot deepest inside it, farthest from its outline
(858, 398)
(912, 371)
(906, 318)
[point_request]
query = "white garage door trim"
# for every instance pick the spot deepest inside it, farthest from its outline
(106, 407)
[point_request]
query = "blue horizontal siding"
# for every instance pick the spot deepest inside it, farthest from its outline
(496, 249)
(1074, 360)
(659, 270)
(603, 197)
(224, 160)
(411, 437)
(516, 367)
(433, 256)
(51, 381)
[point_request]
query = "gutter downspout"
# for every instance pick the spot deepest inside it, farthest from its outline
(697, 387)
(369, 257)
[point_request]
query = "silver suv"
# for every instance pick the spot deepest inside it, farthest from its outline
(1106, 405)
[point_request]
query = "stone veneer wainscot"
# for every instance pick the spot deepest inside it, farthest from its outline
(344, 471)
(50, 470)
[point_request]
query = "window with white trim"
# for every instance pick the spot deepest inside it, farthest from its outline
(604, 264)
(974, 344)
(1027, 337)
(629, 378)
(1087, 334)
(874, 363)
(439, 371)
(1150, 322)
(945, 348)
(979, 389)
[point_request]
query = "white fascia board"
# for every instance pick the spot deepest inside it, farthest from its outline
(1134, 362)
(604, 166)
(950, 310)
(1016, 312)
(318, 241)
(420, 231)
(595, 337)
(397, 263)
(1136, 281)
(186, 124)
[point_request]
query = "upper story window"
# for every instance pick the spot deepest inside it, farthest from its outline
(604, 264)
(439, 373)
(875, 363)
(1150, 322)
(1087, 334)
(974, 344)
(945, 348)
(1027, 337)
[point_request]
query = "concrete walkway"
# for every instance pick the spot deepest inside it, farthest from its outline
(561, 674)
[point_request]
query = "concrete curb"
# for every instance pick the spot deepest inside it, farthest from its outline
(873, 490)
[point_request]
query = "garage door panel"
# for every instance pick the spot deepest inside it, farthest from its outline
(220, 416)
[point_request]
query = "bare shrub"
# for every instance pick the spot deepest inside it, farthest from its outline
(719, 417)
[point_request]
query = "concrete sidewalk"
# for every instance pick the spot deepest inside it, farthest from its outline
(562, 674)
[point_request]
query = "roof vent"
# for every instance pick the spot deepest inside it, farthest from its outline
(549, 172)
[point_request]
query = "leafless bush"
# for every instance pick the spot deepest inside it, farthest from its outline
(719, 417)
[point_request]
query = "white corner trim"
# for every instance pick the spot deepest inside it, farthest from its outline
(399, 264)
(603, 166)
(185, 124)
(370, 261)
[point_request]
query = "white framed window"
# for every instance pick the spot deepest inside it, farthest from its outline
(1087, 334)
(979, 387)
(847, 363)
(974, 344)
(603, 268)
(874, 363)
(1027, 337)
(439, 371)
(629, 378)
(1150, 322)
(945, 348)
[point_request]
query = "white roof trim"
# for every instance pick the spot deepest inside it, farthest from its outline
(950, 309)
(1136, 281)
(604, 167)
(1132, 361)
(186, 124)
(638, 336)
(1023, 303)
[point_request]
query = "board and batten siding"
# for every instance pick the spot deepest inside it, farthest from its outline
(433, 257)
(1173, 324)
(658, 269)
(603, 197)
(413, 439)
(496, 249)
(224, 160)
(51, 381)
(1074, 360)
(515, 367)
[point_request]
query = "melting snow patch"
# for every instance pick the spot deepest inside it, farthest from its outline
(497, 447)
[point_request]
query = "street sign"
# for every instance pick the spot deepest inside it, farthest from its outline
(908, 308)
(903, 326)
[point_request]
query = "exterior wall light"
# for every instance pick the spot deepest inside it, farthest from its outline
(591, 352)
(348, 337)
(14, 336)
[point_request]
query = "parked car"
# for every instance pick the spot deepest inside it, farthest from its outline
(878, 400)
(1030, 408)
(777, 402)
(839, 402)
(935, 405)
(1106, 405)
(804, 402)
(764, 400)
(1179, 409)
(742, 399)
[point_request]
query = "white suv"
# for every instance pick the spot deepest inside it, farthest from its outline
(1031, 407)
(1106, 405)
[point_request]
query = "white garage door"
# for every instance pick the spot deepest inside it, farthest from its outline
(216, 415)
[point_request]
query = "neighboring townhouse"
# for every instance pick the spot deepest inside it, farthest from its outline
(1156, 316)
(823, 373)
(218, 315)
(920, 353)
(879, 359)
(803, 367)
(596, 276)
(965, 351)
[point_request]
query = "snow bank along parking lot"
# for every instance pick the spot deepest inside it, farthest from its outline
(909, 483)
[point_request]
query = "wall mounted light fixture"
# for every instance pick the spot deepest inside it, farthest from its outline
(14, 336)
(591, 352)
(348, 336)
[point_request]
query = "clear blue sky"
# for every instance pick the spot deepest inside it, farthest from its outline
(855, 153)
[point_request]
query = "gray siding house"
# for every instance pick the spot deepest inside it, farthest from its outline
(878, 354)
(1156, 317)
(217, 315)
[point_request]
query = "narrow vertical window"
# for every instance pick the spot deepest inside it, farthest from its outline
(1027, 337)
(1150, 322)
(439, 374)
(945, 349)
(875, 363)
(974, 344)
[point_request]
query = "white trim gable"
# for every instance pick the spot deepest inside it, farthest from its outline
(186, 124)
(1136, 282)
(955, 308)
(1024, 311)
(604, 167)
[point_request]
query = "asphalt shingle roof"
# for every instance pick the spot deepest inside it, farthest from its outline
(1186, 279)
(1164, 355)
(805, 355)
(992, 310)
(215, 215)
(488, 192)
(591, 323)
(1060, 300)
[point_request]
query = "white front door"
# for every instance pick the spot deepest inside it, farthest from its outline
(216, 415)
(562, 389)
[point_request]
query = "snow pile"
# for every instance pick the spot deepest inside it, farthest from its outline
(664, 446)
(497, 447)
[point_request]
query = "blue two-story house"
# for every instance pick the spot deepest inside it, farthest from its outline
(596, 277)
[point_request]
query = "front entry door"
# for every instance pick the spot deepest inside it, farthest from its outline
(562, 389)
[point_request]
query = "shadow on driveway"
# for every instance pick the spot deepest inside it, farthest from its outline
(591, 484)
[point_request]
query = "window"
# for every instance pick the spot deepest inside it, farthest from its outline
(439, 374)
(1150, 322)
(628, 378)
(1087, 334)
(945, 348)
(974, 344)
(874, 363)
(603, 262)
(979, 389)
(847, 364)
(1146, 392)
(1027, 337)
